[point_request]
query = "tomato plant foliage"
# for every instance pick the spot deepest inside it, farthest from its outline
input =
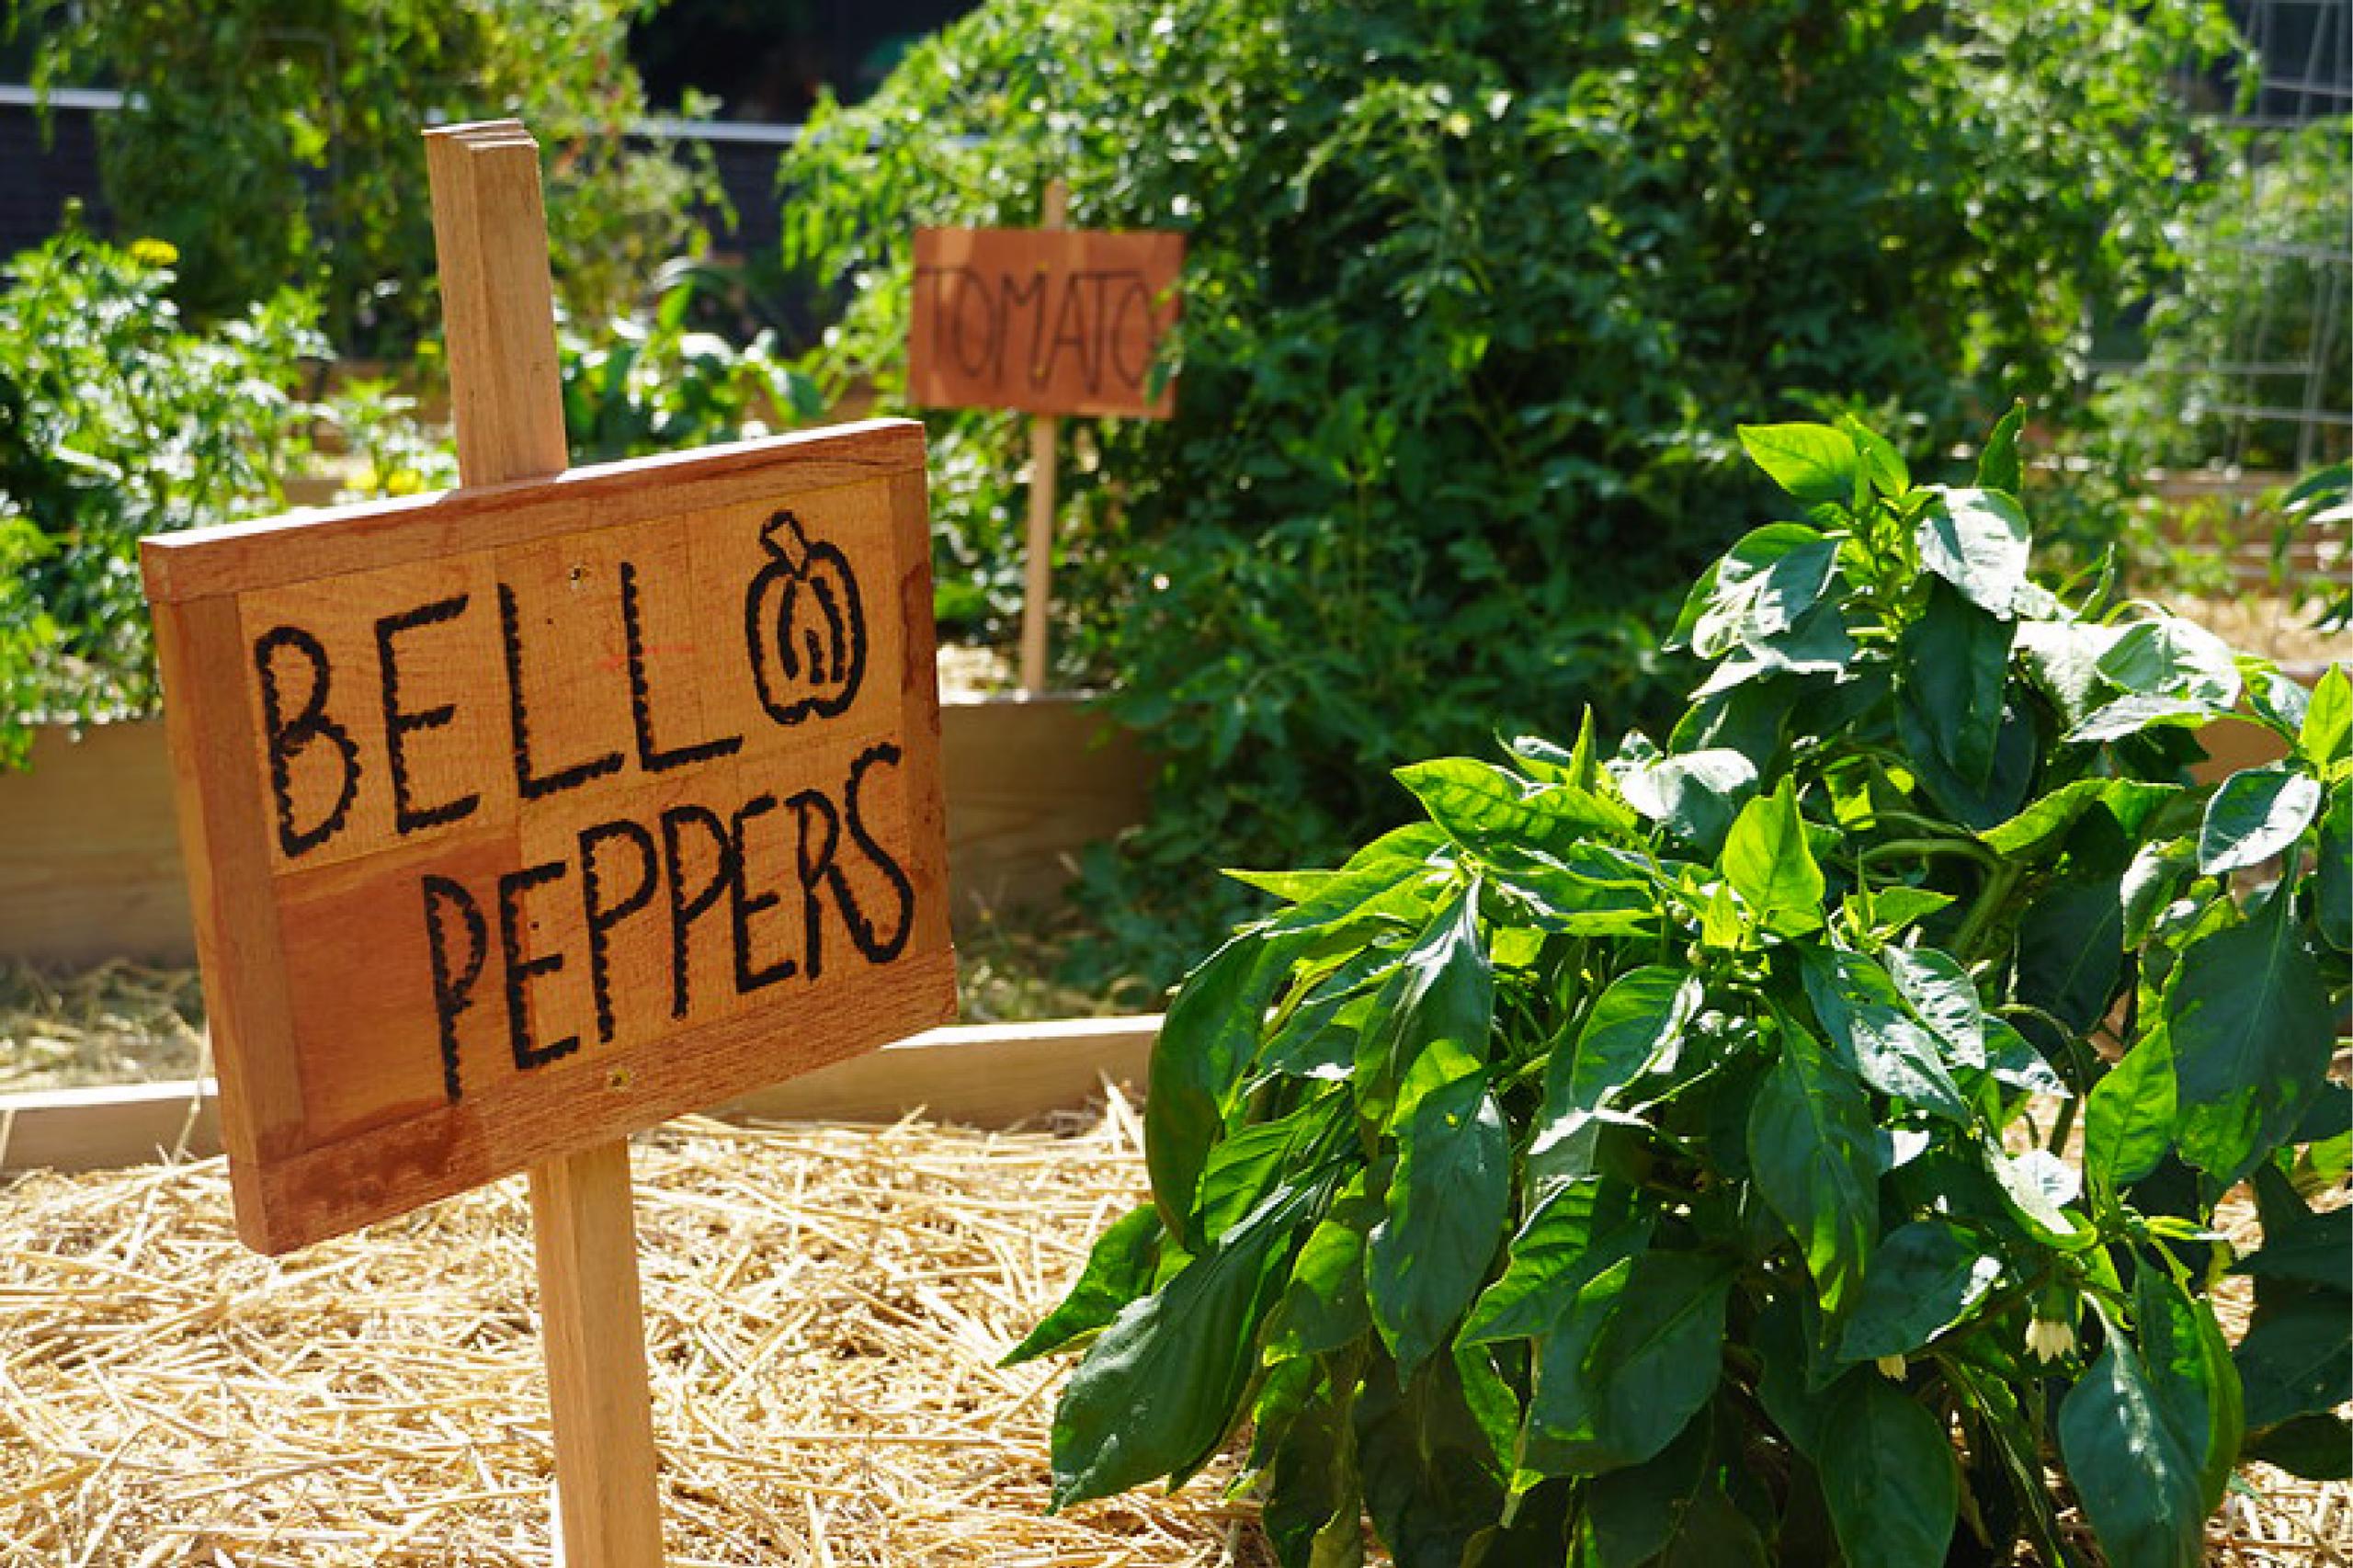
(1670, 1153)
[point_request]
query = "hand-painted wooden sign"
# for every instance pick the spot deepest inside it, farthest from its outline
(1049, 320)
(528, 815)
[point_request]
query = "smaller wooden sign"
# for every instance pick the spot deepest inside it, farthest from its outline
(1048, 321)
(525, 816)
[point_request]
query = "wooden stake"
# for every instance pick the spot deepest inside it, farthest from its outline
(1038, 595)
(498, 316)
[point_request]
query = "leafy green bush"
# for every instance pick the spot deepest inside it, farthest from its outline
(649, 384)
(277, 141)
(1674, 1157)
(116, 423)
(1470, 290)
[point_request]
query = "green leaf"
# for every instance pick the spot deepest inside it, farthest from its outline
(2139, 1487)
(2038, 1185)
(1447, 1207)
(1882, 464)
(1162, 1382)
(1427, 1466)
(1208, 1038)
(2326, 737)
(1117, 1270)
(2252, 1034)
(1313, 1512)
(1814, 1149)
(1953, 667)
(1576, 1231)
(2299, 1246)
(1768, 862)
(1480, 804)
(1889, 1477)
(1941, 992)
(2258, 813)
(2168, 656)
(2012, 1061)
(1634, 1512)
(1997, 465)
(1925, 1277)
(1443, 998)
(2071, 950)
(2296, 1358)
(1614, 1392)
(2131, 715)
(2129, 1118)
(2043, 826)
(1633, 1029)
(2191, 1380)
(1812, 462)
(2317, 1447)
(1242, 1168)
(1977, 541)
(2333, 872)
(1859, 1008)
(1694, 794)
(1323, 1308)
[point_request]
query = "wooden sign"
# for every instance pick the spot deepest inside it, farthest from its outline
(525, 816)
(1049, 320)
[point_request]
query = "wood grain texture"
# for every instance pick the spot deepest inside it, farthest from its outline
(491, 240)
(300, 547)
(1046, 321)
(977, 1076)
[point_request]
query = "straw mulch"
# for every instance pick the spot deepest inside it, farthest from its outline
(824, 1308)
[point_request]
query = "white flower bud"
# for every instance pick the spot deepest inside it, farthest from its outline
(2049, 1340)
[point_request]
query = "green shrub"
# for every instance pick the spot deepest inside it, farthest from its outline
(1470, 290)
(1673, 1157)
(275, 142)
(116, 423)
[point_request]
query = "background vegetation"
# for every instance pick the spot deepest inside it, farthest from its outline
(1472, 290)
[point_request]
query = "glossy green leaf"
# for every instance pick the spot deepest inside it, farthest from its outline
(2131, 715)
(1478, 804)
(1323, 1307)
(1767, 861)
(2038, 1185)
(1118, 1269)
(1633, 1029)
(1586, 890)
(1242, 1168)
(1443, 997)
(1313, 1512)
(1634, 1513)
(1427, 1468)
(2129, 1116)
(1812, 1147)
(1163, 1382)
(2333, 872)
(1889, 1476)
(2043, 826)
(2297, 1358)
(1622, 1372)
(1999, 467)
(2325, 737)
(2139, 1487)
(2317, 1447)
(1953, 667)
(2300, 1247)
(2012, 1061)
(1859, 1008)
(1882, 464)
(2071, 950)
(1941, 992)
(2258, 813)
(1976, 541)
(2168, 656)
(1577, 1230)
(1694, 794)
(1207, 1039)
(1812, 462)
(1925, 1277)
(1447, 1209)
(2252, 1034)
(2191, 1378)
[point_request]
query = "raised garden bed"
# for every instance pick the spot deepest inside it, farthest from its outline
(89, 850)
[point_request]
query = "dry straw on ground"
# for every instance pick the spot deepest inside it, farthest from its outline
(824, 1309)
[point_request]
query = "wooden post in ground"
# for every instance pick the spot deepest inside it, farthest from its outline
(1037, 604)
(498, 312)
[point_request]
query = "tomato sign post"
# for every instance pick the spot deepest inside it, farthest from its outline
(1050, 320)
(523, 817)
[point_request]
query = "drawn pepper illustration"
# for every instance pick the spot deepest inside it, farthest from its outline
(803, 625)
